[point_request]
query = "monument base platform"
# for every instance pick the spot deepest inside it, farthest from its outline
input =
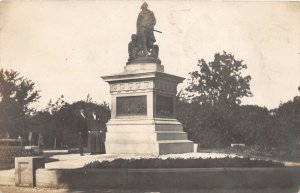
(146, 137)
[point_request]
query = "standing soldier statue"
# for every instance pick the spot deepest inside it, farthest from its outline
(142, 48)
(145, 26)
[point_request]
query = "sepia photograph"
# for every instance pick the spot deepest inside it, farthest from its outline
(149, 96)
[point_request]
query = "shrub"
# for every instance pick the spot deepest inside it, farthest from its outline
(182, 163)
(208, 126)
(8, 154)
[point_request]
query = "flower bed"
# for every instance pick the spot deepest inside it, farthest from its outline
(182, 163)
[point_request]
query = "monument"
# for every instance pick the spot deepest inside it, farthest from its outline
(143, 100)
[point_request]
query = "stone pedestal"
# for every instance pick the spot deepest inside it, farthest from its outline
(143, 110)
(25, 168)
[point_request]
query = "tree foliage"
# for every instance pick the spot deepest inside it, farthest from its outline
(210, 127)
(58, 121)
(211, 112)
(248, 124)
(287, 117)
(219, 82)
(16, 95)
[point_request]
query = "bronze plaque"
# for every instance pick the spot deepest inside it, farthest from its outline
(164, 106)
(133, 105)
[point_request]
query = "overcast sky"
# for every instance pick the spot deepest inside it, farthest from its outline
(65, 46)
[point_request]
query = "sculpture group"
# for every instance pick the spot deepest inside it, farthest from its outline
(142, 49)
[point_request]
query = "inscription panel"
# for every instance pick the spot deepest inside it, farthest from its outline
(164, 106)
(132, 105)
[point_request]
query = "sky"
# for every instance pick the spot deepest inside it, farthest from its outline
(66, 46)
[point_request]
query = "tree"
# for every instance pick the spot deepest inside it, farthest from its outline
(250, 124)
(54, 107)
(220, 82)
(288, 118)
(16, 95)
(207, 106)
(204, 125)
(58, 121)
(67, 132)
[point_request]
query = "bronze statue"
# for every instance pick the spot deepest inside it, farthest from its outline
(141, 49)
(145, 26)
(134, 48)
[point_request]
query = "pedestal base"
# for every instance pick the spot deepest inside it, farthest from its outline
(146, 137)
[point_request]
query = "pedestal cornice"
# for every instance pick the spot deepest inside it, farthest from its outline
(143, 75)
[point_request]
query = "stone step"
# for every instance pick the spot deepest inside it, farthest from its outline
(142, 137)
(168, 128)
(142, 128)
(175, 141)
(171, 135)
(143, 121)
(175, 146)
(143, 125)
(151, 148)
(132, 148)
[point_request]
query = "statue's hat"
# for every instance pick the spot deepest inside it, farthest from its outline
(144, 5)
